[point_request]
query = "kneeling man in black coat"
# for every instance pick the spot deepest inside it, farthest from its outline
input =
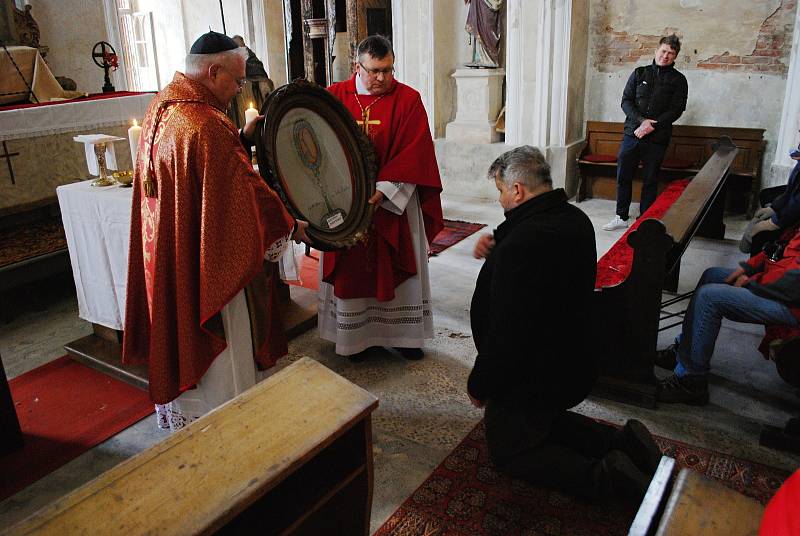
(530, 315)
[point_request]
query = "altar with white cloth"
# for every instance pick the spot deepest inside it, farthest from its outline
(97, 224)
(37, 151)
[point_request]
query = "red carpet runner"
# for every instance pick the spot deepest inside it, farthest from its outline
(64, 409)
(466, 495)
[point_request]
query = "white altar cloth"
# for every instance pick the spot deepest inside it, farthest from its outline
(97, 223)
(72, 116)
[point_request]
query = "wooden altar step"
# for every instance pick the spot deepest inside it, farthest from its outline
(102, 350)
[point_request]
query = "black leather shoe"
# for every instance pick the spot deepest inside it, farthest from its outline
(636, 441)
(360, 357)
(624, 478)
(412, 354)
(668, 357)
(691, 390)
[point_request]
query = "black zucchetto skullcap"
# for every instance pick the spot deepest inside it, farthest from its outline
(213, 42)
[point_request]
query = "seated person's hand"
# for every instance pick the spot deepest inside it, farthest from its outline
(377, 198)
(764, 225)
(763, 213)
(741, 281)
(250, 128)
(731, 279)
(484, 246)
(300, 233)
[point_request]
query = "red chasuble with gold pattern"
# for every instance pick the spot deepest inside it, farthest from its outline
(397, 125)
(197, 240)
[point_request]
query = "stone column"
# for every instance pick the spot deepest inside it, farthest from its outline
(480, 96)
(790, 117)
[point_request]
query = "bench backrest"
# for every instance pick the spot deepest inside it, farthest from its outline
(691, 143)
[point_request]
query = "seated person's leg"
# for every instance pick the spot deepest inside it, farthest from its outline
(668, 357)
(710, 304)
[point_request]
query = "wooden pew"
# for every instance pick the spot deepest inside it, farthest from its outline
(292, 455)
(689, 149)
(626, 332)
(690, 504)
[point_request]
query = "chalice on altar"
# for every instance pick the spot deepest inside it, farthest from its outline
(100, 157)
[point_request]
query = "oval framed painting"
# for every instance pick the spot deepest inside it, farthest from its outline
(311, 151)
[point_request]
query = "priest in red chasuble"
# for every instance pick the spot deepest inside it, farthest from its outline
(378, 293)
(205, 234)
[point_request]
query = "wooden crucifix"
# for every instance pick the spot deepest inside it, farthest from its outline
(5, 154)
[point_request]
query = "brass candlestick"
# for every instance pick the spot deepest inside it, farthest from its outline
(100, 153)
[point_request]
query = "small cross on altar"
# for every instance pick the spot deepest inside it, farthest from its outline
(365, 122)
(5, 154)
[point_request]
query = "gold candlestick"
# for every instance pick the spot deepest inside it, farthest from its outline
(100, 153)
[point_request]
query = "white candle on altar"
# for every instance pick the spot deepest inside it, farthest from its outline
(133, 138)
(250, 114)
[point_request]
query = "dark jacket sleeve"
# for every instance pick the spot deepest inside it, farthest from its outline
(785, 290)
(629, 100)
(677, 104)
(787, 205)
(513, 298)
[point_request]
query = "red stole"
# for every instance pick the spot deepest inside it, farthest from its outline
(405, 152)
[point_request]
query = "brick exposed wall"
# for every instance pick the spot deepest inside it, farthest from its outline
(619, 48)
(771, 53)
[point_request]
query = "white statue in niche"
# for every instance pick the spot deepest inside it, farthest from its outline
(484, 24)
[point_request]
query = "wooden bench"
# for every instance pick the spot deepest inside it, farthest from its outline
(690, 504)
(292, 455)
(628, 308)
(689, 149)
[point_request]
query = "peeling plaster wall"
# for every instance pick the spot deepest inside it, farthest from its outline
(735, 56)
(71, 28)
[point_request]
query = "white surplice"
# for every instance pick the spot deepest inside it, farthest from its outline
(234, 370)
(406, 321)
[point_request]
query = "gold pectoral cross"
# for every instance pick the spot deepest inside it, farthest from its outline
(365, 122)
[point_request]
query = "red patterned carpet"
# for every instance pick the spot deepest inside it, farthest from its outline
(454, 232)
(24, 242)
(466, 496)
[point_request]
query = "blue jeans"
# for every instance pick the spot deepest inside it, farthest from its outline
(631, 152)
(712, 301)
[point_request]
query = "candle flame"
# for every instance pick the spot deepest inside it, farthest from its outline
(251, 104)
(135, 123)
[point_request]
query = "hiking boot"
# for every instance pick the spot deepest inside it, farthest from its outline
(616, 223)
(668, 357)
(623, 477)
(691, 390)
(412, 354)
(636, 441)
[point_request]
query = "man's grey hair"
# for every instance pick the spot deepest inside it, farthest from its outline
(197, 64)
(525, 165)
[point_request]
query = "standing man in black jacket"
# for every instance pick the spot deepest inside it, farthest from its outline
(653, 99)
(532, 303)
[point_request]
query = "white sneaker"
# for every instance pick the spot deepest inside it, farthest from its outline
(616, 223)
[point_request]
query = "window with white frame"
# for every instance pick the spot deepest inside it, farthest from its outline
(138, 46)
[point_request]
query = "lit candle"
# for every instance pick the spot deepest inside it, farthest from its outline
(250, 114)
(133, 138)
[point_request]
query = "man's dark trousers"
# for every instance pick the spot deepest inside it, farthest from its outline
(632, 151)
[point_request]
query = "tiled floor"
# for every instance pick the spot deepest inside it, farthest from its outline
(424, 411)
